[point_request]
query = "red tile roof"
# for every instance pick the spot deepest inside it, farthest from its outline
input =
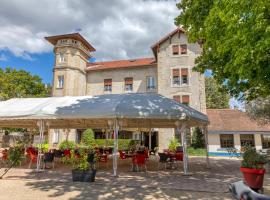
(156, 45)
(141, 62)
(232, 120)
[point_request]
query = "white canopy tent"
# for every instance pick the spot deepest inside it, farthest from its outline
(112, 110)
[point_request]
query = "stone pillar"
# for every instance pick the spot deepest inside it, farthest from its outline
(258, 141)
(164, 137)
(237, 143)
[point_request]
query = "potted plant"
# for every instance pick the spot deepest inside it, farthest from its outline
(81, 168)
(252, 167)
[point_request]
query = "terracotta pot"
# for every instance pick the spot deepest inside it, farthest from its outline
(253, 177)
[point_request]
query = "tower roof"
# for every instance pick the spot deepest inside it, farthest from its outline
(76, 36)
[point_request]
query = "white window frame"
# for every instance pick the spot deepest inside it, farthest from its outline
(178, 55)
(55, 137)
(60, 81)
(62, 57)
(151, 83)
(180, 76)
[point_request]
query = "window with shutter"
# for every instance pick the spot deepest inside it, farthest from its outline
(177, 98)
(183, 48)
(176, 77)
(184, 76)
(129, 84)
(175, 49)
(185, 99)
(107, 85)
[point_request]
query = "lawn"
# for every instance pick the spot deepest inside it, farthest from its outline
(196, 152)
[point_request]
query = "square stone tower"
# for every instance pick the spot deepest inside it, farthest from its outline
(72, 52)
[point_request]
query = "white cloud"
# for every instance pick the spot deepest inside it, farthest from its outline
(116, 28)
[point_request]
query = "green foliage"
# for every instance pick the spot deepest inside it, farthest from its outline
(173, 144)
(88, 138)
(216, 96)
(67, 145)
(196, 152)
(236, 42)
(123, 144)
(15, 154)
(197, 138)
(252, 159)
(19, 83)
(79, 161)
(259, 110)
(44, 147)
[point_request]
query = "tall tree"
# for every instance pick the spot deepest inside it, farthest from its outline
(20, 83)
(236, 42)
(216, 95)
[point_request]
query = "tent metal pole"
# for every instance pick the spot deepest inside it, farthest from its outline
(115, 149)
(182, 129)
(205, 130)
(41, 133)
(150, 140)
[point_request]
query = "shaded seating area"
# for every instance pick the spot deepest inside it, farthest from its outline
(113, 112)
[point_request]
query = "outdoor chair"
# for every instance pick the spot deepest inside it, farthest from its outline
(48, 158)
(67, 153)
(164, 159)
(146, 153)
(91, 160)
(33, 157)
(103, 159)
(139, 161)
(4, 158)
(122, 155)
(58, 154)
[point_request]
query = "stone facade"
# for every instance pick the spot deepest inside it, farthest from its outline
(95, 80)
(71, 76)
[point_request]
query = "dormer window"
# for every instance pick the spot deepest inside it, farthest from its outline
(61, 57)
(183, 49)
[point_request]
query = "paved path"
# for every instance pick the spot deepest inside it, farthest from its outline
(169, 184)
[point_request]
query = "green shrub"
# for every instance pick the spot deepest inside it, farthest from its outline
(197, 138)
(252, 159)
(123, 144)
(15, 154)
(67, 145)
(88, 138)
(173, 144)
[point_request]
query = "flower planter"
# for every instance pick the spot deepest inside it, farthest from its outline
(83, 175)
(253, 177)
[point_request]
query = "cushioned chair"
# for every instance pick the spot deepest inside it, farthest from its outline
(164, 159)
(139, 161)
(122, 155)
(48, 158)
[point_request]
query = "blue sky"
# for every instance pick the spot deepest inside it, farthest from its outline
(40, 64)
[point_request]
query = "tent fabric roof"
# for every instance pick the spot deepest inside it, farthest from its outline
(132, 107)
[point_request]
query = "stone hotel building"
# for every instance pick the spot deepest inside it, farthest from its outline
(168, 72)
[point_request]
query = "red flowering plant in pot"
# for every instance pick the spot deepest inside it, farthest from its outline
(252, 167)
